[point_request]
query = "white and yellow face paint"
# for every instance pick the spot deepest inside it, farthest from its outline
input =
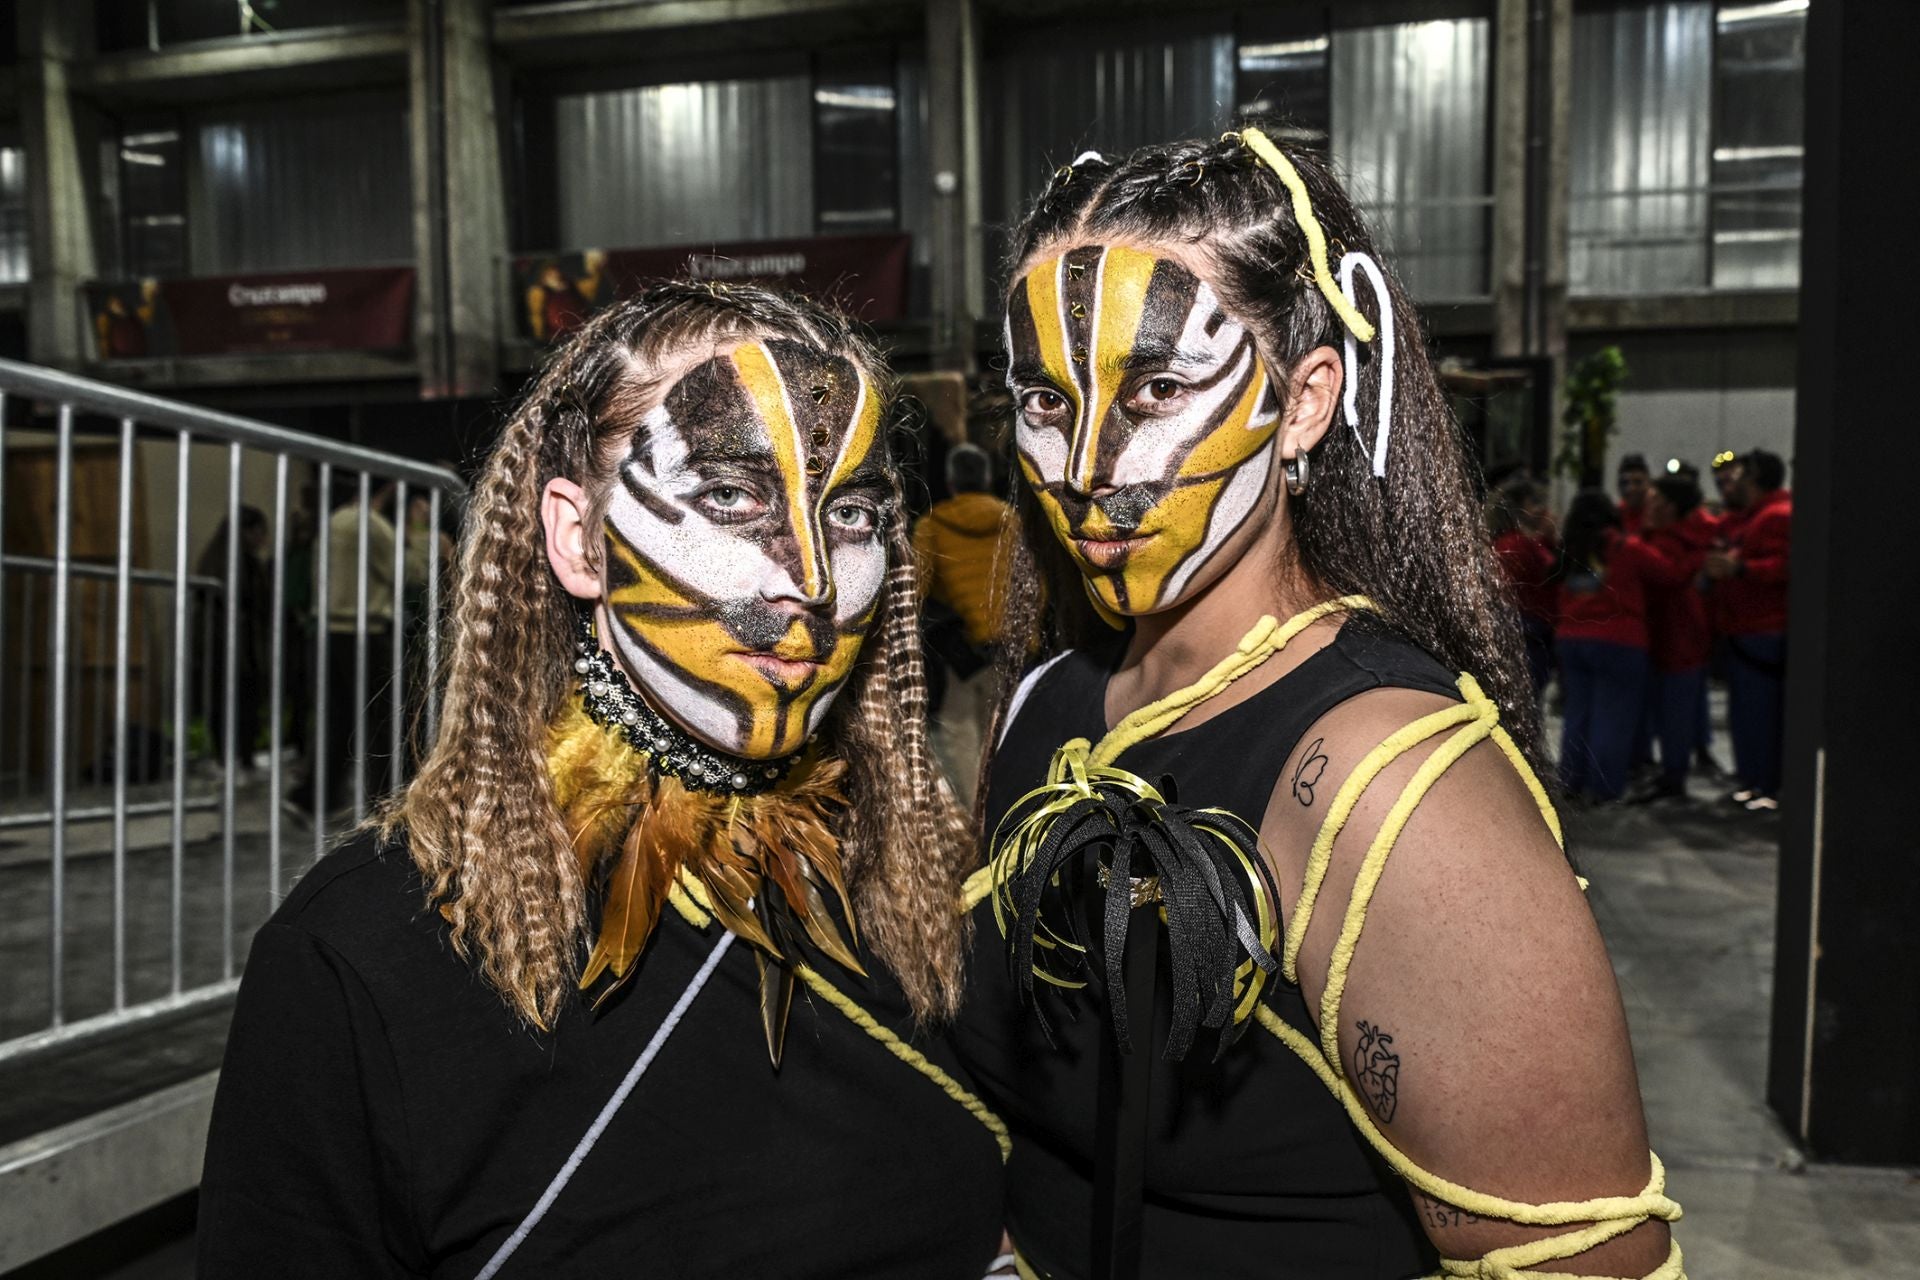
(1145, 420)
(744, 554)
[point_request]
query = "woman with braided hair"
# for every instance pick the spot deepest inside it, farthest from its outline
(1280, 969)
(636, 976)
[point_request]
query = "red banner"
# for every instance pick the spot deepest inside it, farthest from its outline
(356, 309)
(864, 275)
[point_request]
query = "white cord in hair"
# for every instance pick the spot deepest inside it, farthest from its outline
(600, 1122)
(1350, 351)
(1085, 156)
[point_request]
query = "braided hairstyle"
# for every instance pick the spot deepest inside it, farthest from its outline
(480, 817)
(1413, 541)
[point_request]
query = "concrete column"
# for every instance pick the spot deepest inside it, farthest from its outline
(459, 208)
(1532, 106)
(60, 143)
(1846, 1025)
(953, 147)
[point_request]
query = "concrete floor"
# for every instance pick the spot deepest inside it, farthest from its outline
(1684, 894)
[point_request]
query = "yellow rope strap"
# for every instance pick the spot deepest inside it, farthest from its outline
(685, 897)
(1601, 1219)
(908, 1054)
(1303, 214)
(1267, 638)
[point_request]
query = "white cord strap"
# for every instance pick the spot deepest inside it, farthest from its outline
(1350, 352)
(600, 1122)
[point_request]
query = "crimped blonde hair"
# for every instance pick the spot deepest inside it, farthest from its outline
(480, 817)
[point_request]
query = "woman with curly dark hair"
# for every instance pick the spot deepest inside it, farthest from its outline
(1282, 971)
(543, 1020)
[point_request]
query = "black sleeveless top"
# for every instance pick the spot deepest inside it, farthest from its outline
(1252, 1168)
(381, 1114)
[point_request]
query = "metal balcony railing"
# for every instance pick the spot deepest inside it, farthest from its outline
(173, 728)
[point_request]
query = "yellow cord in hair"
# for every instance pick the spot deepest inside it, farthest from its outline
(1289, 176)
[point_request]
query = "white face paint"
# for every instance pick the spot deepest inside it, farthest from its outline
(1145, 420)
(745, 558)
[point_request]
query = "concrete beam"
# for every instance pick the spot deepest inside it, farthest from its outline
(585, 26)
(1770, 310)
(67, 1183)
(459, 210)
(222, 371)
(61, 153)
(953, 158)
(208, 70)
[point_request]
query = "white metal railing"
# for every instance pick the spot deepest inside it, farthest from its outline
(99, 779)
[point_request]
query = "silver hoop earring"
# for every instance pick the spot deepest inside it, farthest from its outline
(1296, 473)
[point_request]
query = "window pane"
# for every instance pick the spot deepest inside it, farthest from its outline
(676, 163)
(1638, 151)
(1410, 129)
(1758, 149)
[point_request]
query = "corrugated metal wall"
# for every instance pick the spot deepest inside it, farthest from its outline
(1640, 149)
(1048, 98)
(293, 185)
(673, 163)
(1410, 135)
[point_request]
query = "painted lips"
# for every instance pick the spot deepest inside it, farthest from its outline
(789, 673)
(1110, 553)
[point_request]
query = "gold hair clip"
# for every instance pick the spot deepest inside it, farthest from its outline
(1063, 175)
(1257, 142)
(1199, 169)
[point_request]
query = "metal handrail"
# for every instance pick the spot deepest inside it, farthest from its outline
(152, 411)
(406, 625)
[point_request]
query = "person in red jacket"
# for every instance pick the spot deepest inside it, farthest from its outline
(1750, 610)
(1633, 479)
(1527, 549)
(1601, 637)
(1680, 533)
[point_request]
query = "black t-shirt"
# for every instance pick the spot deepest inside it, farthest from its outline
(382, 1113)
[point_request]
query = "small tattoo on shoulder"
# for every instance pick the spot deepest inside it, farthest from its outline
(1376, 1070)
(1307, 775)
(1438, 1213)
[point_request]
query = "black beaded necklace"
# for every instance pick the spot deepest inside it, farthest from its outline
(670, 750)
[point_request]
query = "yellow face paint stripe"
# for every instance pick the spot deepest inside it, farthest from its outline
(1119, 301)
(761, 378)
(1233, 441)
(1049, 325)
(855, 448)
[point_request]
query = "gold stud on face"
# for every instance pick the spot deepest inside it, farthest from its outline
(820, 391)
(1075, 270)
(1079, 355)
(1079, 310)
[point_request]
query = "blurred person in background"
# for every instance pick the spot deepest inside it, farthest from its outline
(252, 603)
(960, 545)
(1526, 547)
(1749, 571)
(1631, 481)
(1601, 638)
(1680, 640)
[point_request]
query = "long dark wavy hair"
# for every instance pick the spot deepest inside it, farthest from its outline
(480, 817)
(1414, 541)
